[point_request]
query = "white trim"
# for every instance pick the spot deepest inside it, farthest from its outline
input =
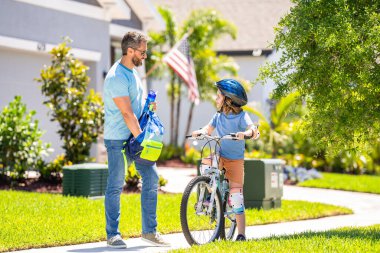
(117, 9)
(72, 7)
(42, 48)
(118, 31)
(148, 14)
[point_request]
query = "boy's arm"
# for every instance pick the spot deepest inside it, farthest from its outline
(204, 130)
(252, 131)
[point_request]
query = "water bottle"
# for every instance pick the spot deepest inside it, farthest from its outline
(151, 98)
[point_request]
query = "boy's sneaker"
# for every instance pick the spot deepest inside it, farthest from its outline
(116, 242)
(155, 239)
(240, 237)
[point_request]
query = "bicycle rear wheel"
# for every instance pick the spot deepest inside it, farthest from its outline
(229, 221)
(198, 226)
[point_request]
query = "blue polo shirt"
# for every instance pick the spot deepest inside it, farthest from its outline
(120, 82)
(231, 123)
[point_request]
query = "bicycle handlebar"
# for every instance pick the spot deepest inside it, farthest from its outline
(231, 136)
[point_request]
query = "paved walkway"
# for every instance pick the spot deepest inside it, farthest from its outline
(365, 206)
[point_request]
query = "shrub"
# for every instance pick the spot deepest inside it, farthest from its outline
(169, 152)
(192, 156)
(21, 148)
(53, 170)
(133, 177)
(80, 116)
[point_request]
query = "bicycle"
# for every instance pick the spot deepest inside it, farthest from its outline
(205, 213)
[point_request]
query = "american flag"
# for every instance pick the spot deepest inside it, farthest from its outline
(179, 59)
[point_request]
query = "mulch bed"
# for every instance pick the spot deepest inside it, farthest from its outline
(42, 186)
(32, 185)
(55, 186)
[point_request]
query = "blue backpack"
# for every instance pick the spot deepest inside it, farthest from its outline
(147, 147)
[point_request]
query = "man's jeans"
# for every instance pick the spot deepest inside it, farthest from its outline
(116, 178)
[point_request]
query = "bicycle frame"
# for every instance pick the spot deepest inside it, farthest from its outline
(213, 172)
(208, 216)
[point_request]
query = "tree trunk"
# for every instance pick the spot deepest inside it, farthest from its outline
(177, 114)
(189, 119)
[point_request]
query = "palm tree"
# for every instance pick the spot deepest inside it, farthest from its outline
(206, 26)
(158, 41)
(279, 114)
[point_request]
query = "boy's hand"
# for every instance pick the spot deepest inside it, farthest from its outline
(256, 134)
(196, 133)
(240, 135)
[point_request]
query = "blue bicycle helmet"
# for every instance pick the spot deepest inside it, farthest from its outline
(234, 90)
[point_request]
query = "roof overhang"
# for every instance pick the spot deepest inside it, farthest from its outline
(116, 9)
(44, 48)
(148, 14)
(71, 7)
(118, 31)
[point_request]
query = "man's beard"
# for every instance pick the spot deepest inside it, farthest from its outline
(136, 61)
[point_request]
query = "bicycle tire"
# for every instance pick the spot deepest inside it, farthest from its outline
(187, 231)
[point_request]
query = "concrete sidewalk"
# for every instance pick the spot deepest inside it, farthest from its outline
(365, 206)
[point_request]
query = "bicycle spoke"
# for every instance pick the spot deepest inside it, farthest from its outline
(203, 228)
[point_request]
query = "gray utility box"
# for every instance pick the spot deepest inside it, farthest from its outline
(263, 183)
(87, 179)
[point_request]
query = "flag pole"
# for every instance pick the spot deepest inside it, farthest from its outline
(150, 71)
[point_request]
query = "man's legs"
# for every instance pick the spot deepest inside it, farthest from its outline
(148, 197)
(149, 205)
(115, 182)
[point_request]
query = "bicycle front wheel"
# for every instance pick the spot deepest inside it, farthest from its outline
(198, 225)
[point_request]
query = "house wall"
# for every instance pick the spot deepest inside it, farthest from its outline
(18, 68)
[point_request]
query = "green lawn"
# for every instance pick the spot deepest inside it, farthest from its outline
(365, 239)
(39, 220)
(357, 183)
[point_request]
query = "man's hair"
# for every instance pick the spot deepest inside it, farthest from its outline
(228, 106)
(132, 40)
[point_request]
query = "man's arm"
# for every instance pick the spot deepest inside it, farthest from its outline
(125, 107)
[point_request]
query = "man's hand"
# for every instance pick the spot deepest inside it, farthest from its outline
(153, 106)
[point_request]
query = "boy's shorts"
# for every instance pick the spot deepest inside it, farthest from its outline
(234, 169)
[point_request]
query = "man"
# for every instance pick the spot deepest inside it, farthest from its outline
(123, 103)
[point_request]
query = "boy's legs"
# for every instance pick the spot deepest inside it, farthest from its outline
(235, 175)
(115, 182)
(240, 218)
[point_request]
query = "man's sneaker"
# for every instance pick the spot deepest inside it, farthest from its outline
(155, 239)
(116, 242)
(240, 237)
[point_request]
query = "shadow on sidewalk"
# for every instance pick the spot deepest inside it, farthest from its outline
(108, 249)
